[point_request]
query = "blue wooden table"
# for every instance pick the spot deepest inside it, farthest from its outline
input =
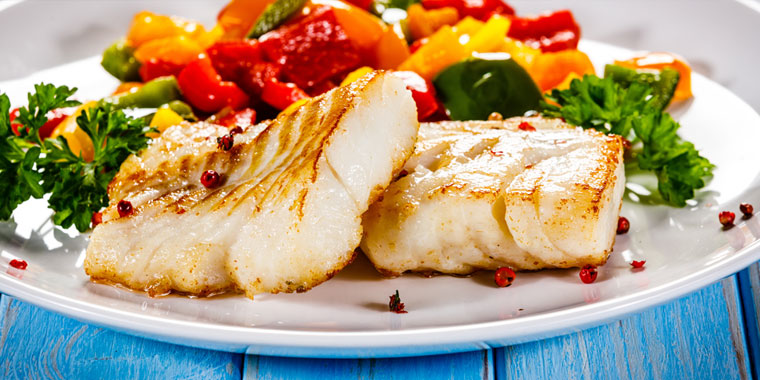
(709, 334)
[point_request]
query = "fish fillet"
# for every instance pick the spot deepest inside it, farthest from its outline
(287, 215)
(482, 195)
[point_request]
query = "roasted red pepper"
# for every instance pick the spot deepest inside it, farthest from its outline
(55, 117)
(243, 118)
(312, 49)
(254, 79)
(549, 32)
(423, 93)
(205, 90)
(232, 59)
(479, 9)
(280, 95)
(363, 4)
(156, 68)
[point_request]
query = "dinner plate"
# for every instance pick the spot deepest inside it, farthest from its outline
(684, 248)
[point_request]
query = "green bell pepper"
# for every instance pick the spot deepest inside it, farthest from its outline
(119, 61)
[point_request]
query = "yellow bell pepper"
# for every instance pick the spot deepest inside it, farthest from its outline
(294, 106)
(79, 142)
(565, 84)
(468, 26)
(356, 74)
(423, 23)
(486, 39)
(523, 54)
(164, 118)
(147, 26)
(176, 49)
(441, 51)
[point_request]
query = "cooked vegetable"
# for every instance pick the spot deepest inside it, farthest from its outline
(179, 50)
(156, 68)
(203, 88)
(549, 32)
(238, 16)
(390, 50)
(281, 95)
(274, 15)
(31, 167)
(476, 87)
(153, 94)
(182, 109)
(422, 23)
(660, 61)
(442, 50)
(148, 26)
(481, 10)
(232, 59)
(119, 60)
(549, 70)
(631, 112)
(662, 83)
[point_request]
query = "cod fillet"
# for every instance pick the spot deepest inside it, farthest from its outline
(287, 214)
(487, 194)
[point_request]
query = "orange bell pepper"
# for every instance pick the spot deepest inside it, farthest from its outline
(147, 26)
(179, 50)
(423, 23)
(442, 50)
(79, 142)
(659, 61)
(361, 27)
(550, 69)
(238, 16)
(390, 51)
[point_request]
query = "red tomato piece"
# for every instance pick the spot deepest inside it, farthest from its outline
(312, 49)
(205, 90)
(156, 68)
(549, 32)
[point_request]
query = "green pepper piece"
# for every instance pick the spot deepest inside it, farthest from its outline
(119, 61)
(274, 15)
(153, 94)
(182, 109)
(475, 87)
(662, 83)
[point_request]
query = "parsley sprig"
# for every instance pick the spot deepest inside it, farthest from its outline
(31, 167)
(604, 105)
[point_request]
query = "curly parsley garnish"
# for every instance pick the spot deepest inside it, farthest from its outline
(31, 167)
(632, 112)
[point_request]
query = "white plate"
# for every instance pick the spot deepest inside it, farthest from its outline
(685, 248)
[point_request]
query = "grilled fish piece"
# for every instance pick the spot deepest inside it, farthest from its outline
(287, 215)
(482, 195)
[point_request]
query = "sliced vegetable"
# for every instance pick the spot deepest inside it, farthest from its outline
(442, 50)
(164, 118)
(550, 69)
(487, 39)
(238, 16)
(423, 93)
(156, 68)
(119, 60)
(476, 87)
(78, 141)
(423, 23)
(549, 31)
(361, 27)
(390, 51)
(182, 109)
(243, 118)
(356, 74)
(312, 50)
(232, 59)
(179, 50)
(274, 15)
(153, 94)
(479, 9)
(147, 26)
(660, 61)
(663, 83)
(55, 117)
(467, 26)
(281, 95)
(205, 90)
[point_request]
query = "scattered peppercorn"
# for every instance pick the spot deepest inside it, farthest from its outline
(236, 131)
(495, 116)
(225, 142)
(504, 277)
(124, 208)
(395, 305)
(588, 273)
(638, 264)
(18, 264)
(623, 225)
(96, 219)
(210, 179)
(726, 218)
(525, 126)
(747, 210)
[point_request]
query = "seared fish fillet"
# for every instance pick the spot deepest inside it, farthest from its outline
(482, 195)
(287, 215)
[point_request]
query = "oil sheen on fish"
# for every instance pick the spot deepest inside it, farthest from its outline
(482, 195)
(287, 214)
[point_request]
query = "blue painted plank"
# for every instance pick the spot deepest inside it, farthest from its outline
(35, 343)
(749, 290)
(468, 365)
(698, 336)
